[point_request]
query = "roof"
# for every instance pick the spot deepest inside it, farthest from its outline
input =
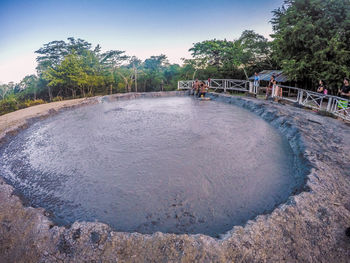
(266, 75)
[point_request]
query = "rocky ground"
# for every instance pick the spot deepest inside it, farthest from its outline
(310, 227)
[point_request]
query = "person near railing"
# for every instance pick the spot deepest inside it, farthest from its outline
(322, 87)
(203, 88)
(256, 84)
(278, 92)
(195, 87)
(344, 92)
(270, 87)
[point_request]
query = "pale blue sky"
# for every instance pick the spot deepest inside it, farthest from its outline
(141, 28)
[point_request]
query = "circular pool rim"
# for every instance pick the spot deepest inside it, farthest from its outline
(241, 197)
(273, 236)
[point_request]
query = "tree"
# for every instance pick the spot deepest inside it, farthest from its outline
(4, 90)
(153, 68)
(171, 76)
(224, 58)
(210, 52)
(311, 40)
(136, 65)
(111, 60)
(53, 53)
(256, 49)
(127, 76)
(29, 86)
(69, 74)
(194, 65)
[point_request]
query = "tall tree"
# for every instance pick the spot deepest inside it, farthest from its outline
(311, 39)
(5, 90)
(256, 49)
(112, 60)
(226, 58)
(154, 69)
(69, 74)
(29, 85)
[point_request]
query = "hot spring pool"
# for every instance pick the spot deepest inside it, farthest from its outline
(175, 165)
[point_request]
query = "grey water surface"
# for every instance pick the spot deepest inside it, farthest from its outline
(175, 165)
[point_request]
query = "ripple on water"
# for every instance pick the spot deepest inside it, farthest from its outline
(173, 164)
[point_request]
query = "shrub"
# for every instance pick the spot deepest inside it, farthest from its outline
(12, 104)
(8, 105)
(58, 98)
(29, 103)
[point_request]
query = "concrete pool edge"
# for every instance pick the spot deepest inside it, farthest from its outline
(28, 234)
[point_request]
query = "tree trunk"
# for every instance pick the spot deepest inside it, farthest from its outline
(245, 73)
(194, 73)
(50, 94)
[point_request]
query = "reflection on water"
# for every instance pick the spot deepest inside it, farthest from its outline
(173, 164)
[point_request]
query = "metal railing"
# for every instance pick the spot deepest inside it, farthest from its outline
(229, 84)
(221, 84)
(340, 107)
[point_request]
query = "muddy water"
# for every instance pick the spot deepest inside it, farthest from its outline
(175, 165)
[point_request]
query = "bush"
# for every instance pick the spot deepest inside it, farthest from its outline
(8, 105)
(29, 103)
(58, 98)
(12, 104)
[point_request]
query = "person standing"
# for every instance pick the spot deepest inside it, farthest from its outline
(344, 92)
(278, 92)
(270, 87)
(321, 87)
(256, 82)
(195, 87)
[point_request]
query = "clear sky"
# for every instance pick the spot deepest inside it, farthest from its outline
(141, 28)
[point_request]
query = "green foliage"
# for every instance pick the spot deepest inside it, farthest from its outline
(311, 39)
(7, 90)
(11, 103)
(230, 59)
(69, 74)
(57, 98)
(29, 103)
(8, 105)
(76, 69)
(28, 88)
